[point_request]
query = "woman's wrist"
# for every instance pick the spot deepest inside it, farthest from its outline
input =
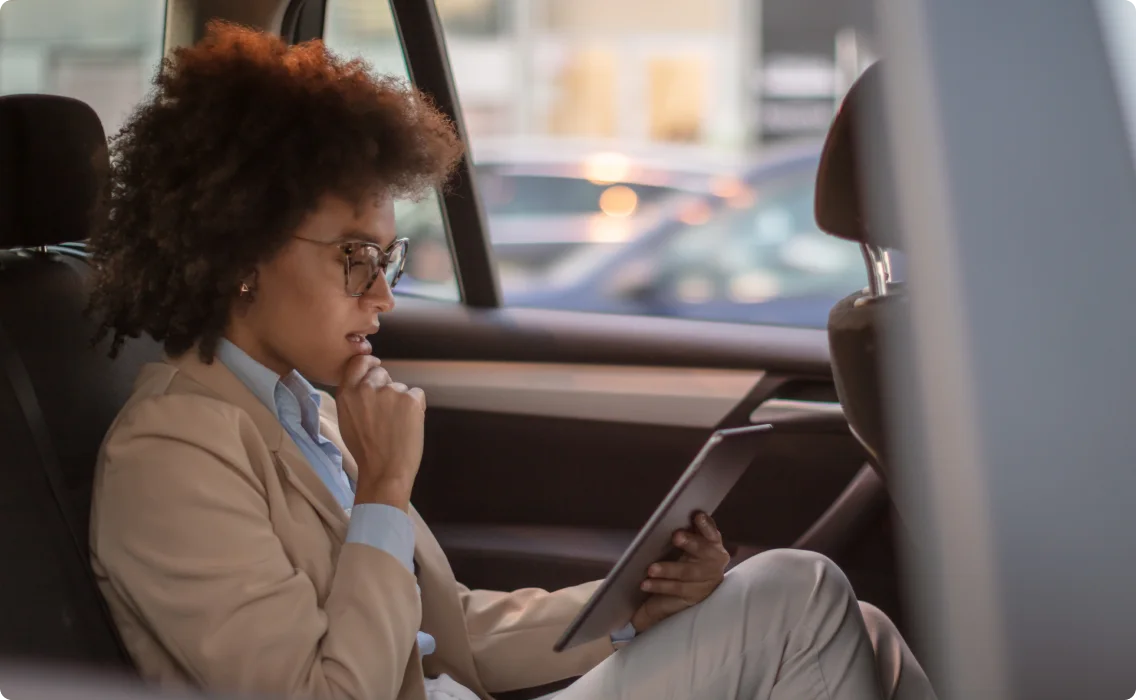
(389, 492)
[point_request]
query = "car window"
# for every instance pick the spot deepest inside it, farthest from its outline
(103, 52)
(666, 88)
(366, 29)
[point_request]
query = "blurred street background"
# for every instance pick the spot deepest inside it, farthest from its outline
(641, 156)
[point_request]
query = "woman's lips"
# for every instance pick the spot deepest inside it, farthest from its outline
(360, 343)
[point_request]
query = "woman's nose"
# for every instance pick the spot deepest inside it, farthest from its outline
(379, 296)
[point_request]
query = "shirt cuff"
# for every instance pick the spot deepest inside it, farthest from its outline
(623, 635)
(383, 527)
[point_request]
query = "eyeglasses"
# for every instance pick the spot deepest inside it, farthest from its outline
(364, 262)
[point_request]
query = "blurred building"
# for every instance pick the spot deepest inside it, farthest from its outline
(103, 52)
(721, 73)
(811, 52)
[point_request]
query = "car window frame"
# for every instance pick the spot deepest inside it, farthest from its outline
(428, 66)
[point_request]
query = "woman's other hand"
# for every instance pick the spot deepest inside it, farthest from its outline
(382, 423)
(674, 586)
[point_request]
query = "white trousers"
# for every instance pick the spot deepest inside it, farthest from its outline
(784, 625)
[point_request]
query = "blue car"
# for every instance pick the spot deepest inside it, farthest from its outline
(749, 252)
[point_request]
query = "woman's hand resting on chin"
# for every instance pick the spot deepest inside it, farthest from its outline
(382, 423)
(675, 586)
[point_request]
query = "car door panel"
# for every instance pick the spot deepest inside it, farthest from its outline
(552, 436)
(520, 470)
(550, 501)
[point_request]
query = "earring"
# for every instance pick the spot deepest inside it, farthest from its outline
(247, 290)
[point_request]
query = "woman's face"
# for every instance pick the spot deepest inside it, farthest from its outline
(301, 316)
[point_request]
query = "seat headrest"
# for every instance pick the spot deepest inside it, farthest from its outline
(840, 195)
(53, 164)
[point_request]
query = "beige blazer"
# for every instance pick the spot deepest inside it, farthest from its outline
(222, 557)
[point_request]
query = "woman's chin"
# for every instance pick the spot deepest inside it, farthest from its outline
(329, 371)
(326, 373)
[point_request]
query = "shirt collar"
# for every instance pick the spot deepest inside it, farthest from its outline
(260, 380)
(271, 389)
(306, 397)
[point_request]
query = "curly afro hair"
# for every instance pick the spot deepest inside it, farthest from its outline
(237, 142)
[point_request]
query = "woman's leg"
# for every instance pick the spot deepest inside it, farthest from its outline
(901, 676)
(784, 625)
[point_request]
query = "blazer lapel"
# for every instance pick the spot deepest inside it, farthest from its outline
(442, 613)
(304, 479)
(217, 378)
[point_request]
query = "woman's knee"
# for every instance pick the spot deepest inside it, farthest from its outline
(880, 627)
(790, 575)
(899, 670)
(790, 596)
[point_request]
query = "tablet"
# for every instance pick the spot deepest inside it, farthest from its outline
(718, 466)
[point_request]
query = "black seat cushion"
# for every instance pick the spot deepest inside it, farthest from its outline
(43, 299)
(49, 607)
(58, 394)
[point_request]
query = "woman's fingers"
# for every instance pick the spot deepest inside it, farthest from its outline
(707, 527)
(685, 590)
(675, 585)
(357, 368)
(419, 396)
(692, 544)
(675, 570)
(706, 555)
(678, 570)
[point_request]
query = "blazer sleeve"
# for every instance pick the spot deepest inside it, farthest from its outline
(184, 536)
(512, 634)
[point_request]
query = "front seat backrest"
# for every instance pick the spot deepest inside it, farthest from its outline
(58, 394)
(856, 322)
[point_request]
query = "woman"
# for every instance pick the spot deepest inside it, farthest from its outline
(251, 534)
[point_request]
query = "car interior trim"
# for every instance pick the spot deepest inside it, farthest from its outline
(422, 329)
(673, 396)
(775, 410)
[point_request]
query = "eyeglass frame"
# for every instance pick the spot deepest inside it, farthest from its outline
(385, 257)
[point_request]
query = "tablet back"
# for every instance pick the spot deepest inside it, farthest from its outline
(702, 487)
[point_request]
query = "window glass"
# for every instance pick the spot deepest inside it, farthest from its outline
(754, 258)
(365, 29)
(103, 52)
(657, 156)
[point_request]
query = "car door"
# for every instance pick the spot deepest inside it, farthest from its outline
(552, 435)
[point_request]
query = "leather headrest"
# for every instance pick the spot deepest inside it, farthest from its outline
(840, 194)
(53, 163)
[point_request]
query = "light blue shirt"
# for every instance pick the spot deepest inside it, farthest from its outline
(296, 403)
